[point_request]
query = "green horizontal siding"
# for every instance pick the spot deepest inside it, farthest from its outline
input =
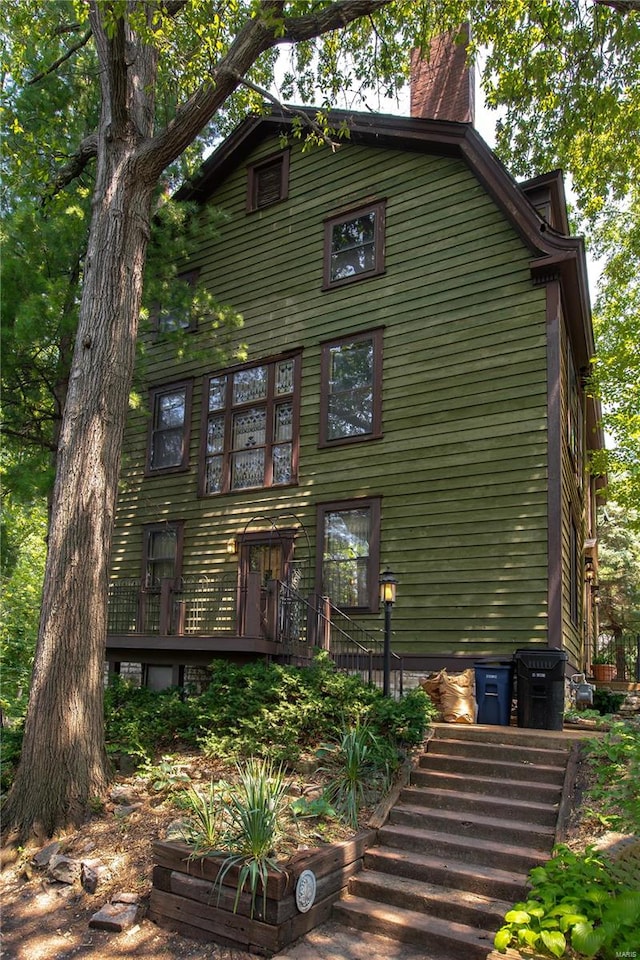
(461, 467)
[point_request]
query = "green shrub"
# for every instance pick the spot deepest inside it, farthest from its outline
(583, 901)
(606, 701)
(10, 748)
(357, 769)
(575, 902)
(281, 712)
(615, 761)
(140, 722)
(253, 811)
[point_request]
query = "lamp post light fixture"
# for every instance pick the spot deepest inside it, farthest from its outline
(589, 570)
(388, 584)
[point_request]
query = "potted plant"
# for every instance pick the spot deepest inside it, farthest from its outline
(603, 670)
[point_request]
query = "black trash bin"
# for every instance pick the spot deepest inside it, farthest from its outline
(540, 672)
(494, 685)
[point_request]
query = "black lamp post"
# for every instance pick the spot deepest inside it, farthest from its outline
(388, 584)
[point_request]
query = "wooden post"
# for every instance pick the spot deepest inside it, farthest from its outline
(165, 606)
(251, 618)
(324, 638)
(272, 610)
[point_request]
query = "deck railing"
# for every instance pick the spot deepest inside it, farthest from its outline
(207, 607)
(198, 606)
(624, 653)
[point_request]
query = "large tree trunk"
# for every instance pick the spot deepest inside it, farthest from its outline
(64, 762)
(64, 736)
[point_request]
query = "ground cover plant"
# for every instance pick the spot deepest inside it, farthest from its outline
(587, 904)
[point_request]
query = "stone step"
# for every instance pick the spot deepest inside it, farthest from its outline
(497, 751)
(490, 881)
(463, 849)
(445, 902)
(474, 824)
(456, 941)
(463, 802)
(511, 769)
(521, 736)
(521, 789)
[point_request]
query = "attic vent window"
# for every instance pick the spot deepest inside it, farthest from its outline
(268, 182)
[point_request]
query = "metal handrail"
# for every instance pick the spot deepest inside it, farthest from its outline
(323, 630)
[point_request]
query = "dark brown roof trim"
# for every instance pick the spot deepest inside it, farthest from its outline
(553, 254)
(550, 185)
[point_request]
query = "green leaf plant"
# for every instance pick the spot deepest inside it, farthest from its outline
(353, 762)
(576, 904)
(252, 811)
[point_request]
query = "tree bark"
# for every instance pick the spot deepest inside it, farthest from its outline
(64, 761)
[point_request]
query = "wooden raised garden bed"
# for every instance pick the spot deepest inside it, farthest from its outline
(186, 899)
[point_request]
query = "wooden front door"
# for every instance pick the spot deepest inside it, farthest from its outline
(262, 558)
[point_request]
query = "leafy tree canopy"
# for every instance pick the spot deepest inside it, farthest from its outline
(619, 573)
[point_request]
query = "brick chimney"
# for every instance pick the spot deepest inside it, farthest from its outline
(442, 84)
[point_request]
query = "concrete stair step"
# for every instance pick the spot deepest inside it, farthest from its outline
(513, 769)
(445, 902)
(465, 849)
(474, 824)
(490, 805)
(521, 789)
(498, 751)
(521, 736)
(333, 940)
(456, 941)
(490, 881)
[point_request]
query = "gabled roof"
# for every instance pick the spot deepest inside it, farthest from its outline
(554, 253)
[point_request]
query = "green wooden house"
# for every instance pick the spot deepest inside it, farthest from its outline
(418, 333)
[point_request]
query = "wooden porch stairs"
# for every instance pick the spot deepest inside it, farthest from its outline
(479, 812)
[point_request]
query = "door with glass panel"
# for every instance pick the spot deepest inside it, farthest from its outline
(263, 560)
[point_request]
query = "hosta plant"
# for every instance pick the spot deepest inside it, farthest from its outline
(576, 903)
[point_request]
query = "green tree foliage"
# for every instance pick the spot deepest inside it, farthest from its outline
(617, 323)
(619, 572)
(23, 532)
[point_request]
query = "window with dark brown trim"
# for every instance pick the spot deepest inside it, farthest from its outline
(169, 428)
(354, 245)
(268, 181)
(250, 427)
(161, 552)
(177, 316)
(574, 574)
(348, 553)
(575, 432)
(351, 389)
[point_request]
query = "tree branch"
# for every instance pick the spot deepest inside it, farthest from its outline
(87, 150)
(84, 39)
(308, 120)
(340, 14)
(255, 37)
(620, 6)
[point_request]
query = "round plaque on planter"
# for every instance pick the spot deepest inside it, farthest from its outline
(306, 890)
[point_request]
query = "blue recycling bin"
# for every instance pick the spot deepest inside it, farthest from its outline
(494, 685)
